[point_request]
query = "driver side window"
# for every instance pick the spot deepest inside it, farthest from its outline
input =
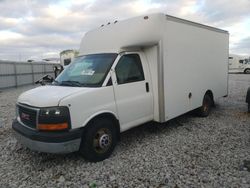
(129, 69)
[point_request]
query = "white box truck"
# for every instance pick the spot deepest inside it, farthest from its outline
(148, 68)
(239, 64)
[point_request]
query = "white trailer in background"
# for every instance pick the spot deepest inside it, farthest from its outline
(67, 56)
(239, 64)
(148, 68)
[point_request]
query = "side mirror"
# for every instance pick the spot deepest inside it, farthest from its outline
(47, 79)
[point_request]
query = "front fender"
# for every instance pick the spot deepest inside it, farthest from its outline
(97, 114)
(248, 96)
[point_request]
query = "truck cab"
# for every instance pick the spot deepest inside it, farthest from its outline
(110, 87)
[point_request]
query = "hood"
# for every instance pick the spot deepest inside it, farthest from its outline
(45, 96)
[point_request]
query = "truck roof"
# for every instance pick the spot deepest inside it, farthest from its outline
(132, 33)
(173, 18)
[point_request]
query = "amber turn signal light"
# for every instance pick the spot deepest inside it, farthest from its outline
(53, 127)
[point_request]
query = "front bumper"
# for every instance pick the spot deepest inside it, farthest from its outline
(48, 142)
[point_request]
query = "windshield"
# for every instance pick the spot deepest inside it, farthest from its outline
(87, 70)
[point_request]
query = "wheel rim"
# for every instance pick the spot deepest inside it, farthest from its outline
(102, 140)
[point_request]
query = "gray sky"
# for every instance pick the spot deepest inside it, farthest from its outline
(33, 29)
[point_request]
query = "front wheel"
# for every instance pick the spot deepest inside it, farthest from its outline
(205, 109)
(247, 71)
(99, 140)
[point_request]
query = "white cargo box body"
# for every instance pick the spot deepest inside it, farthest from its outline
(185, 59)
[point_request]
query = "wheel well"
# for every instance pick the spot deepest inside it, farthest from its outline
(110, 117)
(210, 94)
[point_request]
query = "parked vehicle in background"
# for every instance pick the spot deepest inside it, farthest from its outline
(123, 78)
(239, 64)
(248, 99)
(67, 56)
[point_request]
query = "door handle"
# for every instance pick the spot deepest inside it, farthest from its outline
(147, 87)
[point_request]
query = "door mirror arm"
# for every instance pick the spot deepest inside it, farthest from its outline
(47, 79)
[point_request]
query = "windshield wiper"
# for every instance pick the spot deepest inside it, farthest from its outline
(71, 83)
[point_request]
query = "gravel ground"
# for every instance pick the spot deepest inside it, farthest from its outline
(185, 152)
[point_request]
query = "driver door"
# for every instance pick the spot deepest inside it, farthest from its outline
(134, 100)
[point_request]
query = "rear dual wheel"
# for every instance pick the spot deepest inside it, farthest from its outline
(206, 107)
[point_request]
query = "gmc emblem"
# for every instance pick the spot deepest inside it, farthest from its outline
(25, 116)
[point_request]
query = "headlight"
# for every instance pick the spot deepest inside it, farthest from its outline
(54, 119)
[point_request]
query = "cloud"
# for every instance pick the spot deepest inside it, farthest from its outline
(32, 26)
(242, 47)
(32, 46)
(7, 23)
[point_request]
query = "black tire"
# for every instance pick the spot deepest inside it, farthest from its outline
(247, 71)
(206, 107)
(98, 140)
